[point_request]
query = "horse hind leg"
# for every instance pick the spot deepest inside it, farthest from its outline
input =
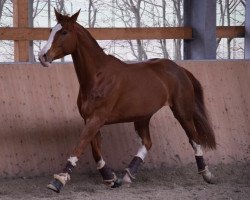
(188, 125)
(108, 175)
(142, 128)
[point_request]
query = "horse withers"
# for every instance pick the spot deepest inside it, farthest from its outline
(112, 91)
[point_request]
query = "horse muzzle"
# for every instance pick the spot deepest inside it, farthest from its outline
(44, 60)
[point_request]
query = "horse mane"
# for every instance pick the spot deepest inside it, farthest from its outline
(81, 29)
(67, 19)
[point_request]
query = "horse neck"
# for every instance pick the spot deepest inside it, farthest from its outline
(88, 57)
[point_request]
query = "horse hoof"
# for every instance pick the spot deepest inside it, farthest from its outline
(210, 179)
(126, 181)
(117, 183)
(208, 176)
(55, 186)
(114, 184)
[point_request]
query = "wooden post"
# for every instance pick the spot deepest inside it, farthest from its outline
(21, 20)
(247, 34)
(201, 16)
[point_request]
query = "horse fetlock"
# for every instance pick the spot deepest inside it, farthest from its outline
(208, 176)
(62, 177)
(130, 173)
(107, 173)
(127, 180)
(134, 166)
(59, 182)
(114, 183)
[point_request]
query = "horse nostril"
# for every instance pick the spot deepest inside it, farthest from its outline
(45, 57)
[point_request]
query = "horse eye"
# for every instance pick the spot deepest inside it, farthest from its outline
(64, 32)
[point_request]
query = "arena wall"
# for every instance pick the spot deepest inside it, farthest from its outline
(40, 123)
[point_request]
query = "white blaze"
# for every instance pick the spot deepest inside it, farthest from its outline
(54, 30)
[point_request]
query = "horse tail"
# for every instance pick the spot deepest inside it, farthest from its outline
(202, 123)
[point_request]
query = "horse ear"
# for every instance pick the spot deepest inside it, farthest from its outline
(59, 17)
(74, 17)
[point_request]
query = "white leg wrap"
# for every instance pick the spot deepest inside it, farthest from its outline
(197, 149)
(73, 160)
(100, 164)
(142, 152)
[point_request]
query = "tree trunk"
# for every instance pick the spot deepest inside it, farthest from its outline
(163, 41)
(228, 23)
(2, 2)
(92, 17)
(178, 23)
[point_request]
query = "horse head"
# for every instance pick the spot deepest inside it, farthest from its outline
(62, 40)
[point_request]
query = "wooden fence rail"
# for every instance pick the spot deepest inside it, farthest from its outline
(22, 34)
(29, 34)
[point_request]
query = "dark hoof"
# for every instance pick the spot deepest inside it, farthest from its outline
(55, 185)
(210, 180)
(117, 183)
(208, 177)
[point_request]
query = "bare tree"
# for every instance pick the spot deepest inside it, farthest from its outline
(165, 24)
(2, 2)
(131, 16)
(92, 12)
(230, 10)
(60, 6)
(6, 47)
(178, 21)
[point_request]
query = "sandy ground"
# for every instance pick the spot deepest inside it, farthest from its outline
(166, 183)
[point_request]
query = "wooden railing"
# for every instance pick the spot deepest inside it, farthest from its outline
(22, 34)
(29, 34)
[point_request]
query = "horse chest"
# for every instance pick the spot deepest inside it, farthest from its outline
(89, 104)
(96, 97)
(93, 101)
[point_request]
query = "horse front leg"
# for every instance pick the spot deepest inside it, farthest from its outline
(90, 130)
(108, 175)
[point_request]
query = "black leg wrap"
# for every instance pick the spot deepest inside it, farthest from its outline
(109, 177)
(68, 168)
(55, 185)
(134, 166)
(107, 173)
(200, 163)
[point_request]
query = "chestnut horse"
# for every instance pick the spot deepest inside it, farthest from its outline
(112, 91)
